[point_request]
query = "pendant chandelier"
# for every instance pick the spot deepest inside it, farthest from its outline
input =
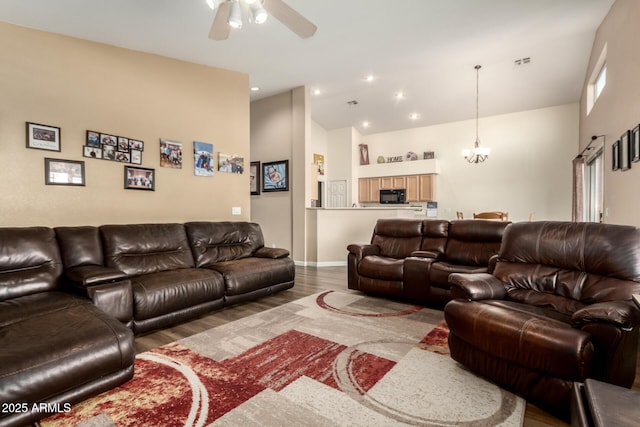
(478, 154)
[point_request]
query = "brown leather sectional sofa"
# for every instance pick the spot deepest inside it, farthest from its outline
(71, 298)
(413, 258)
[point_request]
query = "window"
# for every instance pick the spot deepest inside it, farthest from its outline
(597, 81)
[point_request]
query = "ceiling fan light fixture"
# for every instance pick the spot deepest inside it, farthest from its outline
(212, 4)
(258, 12)
(235, 16)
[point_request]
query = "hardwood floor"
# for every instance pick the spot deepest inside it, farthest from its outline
(309, 280)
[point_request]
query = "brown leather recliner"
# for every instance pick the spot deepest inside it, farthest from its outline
(379, 267)
(470, 246)
(557, 309)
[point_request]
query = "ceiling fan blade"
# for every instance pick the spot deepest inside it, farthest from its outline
(289, 17)
(220, 28)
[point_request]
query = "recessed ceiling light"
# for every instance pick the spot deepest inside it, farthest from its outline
(399, 95)
(414, 116)
(366, 124)
(316, 92)
(369, 78)
(255, 89)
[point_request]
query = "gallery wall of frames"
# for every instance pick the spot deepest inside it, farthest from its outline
(108, 146)
(626, 150)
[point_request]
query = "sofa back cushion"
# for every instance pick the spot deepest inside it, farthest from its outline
(434, 235)
(29, 261)
(583, 262)
(213, 242)
(79, 246)
(146, 248)
(472, 242)
(397, 237)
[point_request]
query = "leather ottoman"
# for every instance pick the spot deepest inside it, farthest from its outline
(596, 403)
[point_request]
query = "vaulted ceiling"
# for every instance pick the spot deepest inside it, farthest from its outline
(426, 49)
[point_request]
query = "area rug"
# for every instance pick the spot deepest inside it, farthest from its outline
(331, 359)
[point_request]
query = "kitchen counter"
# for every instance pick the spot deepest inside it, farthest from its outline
(330, 230)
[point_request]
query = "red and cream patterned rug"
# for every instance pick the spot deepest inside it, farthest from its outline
(336, 358)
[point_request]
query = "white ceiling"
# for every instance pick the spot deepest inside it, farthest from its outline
(425, 48)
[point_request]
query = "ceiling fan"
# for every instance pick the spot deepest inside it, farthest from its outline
(229, 15)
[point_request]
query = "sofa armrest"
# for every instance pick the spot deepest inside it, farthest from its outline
(265, 252)
(477, 286)
(623, 314)
(88, 275)
(427, 254)
(362, 250)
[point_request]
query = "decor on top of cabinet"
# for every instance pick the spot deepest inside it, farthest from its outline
(364, 154)
(380, 159)
(203, 158)
(231, 163)
(427, 155)
(411, 156)
(43, 137)
(170, 154)
(275, 176)
(111, 147)
(254, 178)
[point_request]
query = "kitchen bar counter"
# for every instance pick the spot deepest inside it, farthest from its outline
(330, 230)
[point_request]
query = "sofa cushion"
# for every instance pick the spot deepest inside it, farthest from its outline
(213, 242)
(434, 235)
(155, 294)
(250, 274)
(439, 272)
(29, 261)
(58, 342)
(382, 268)
(146, 248)
(473, 242)
(79, 246)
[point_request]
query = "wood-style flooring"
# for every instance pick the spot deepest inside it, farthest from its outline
(309, 280)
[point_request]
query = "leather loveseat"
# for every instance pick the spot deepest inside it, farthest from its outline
(70, 297)
(56, 349)
(557, 309)
(412, 258)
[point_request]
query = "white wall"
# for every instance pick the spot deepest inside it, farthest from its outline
(529, 169)
(618, 108)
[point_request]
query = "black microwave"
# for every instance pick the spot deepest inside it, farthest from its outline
(392, 196)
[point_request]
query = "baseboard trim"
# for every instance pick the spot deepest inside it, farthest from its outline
(320, 264)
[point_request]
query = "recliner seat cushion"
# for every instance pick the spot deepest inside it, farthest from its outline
(250, 274)
(213, 242)
(58, 342)
(523, 336)
(382, 268)
(160, 293)
(439, 272)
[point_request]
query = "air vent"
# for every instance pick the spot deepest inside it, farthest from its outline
(352, 103)
(522, 61)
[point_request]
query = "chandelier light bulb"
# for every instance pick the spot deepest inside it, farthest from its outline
(235, 16)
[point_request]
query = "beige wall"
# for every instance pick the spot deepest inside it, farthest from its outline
(529, 169)
(79, 85)
(618, 107)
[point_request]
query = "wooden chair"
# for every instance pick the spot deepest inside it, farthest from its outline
(496, 215)
(459, 215)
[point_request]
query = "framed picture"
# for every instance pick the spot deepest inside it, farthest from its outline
(136, 157)
(43, 137)
(134, 144)
(615, 156)
(203, 158)
(123, 144)
(254, 178)
(635, 144)
(275, 176)
(106, 139)
(231, 163)
(428, 155)
(63, 172)
(92, 152)
(136, 178)
(170, 154)
(93, 139)
(625, 151)
(364, 154)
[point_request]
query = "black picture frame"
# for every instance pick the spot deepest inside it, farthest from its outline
(43, 137)
(64, 172)
(275, 176)
(615, 156)
(625, 150)
(635, 144)
(136, 178)
(254, 178)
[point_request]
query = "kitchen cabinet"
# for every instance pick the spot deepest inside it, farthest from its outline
(369, 190)
(419, 188)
